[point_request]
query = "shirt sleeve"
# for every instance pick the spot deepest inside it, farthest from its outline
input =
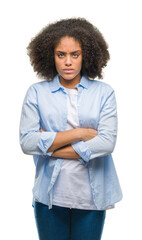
(33, 141)
(104, 143)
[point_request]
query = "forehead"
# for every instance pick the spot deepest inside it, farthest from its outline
(68, 44)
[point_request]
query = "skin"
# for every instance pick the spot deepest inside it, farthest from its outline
(68, 55)
(62, 143)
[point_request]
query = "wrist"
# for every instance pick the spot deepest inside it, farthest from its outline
(66, 152)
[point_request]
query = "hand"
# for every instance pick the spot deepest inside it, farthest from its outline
(41, 130)
(88, 133)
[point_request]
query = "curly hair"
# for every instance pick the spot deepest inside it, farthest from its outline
(94, 48)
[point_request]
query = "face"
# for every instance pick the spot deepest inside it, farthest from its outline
(68, 58)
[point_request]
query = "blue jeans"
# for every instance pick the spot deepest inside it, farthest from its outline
(60, 223)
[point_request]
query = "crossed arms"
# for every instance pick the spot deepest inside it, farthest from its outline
(61, 146)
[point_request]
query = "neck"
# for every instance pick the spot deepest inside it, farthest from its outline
(70, 83)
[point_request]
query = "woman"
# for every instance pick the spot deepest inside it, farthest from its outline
(69, 125)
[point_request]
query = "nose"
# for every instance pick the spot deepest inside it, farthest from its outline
(68, 61)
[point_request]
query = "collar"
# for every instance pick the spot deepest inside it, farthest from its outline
(55, 84)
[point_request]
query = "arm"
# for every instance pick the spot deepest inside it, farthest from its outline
(33, 141)
(64, 138)
(104, 143)
(68, 152)
(65, 152)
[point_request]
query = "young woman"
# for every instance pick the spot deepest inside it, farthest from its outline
(69, 125)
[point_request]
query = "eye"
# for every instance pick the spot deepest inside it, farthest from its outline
(60, 55)
(75, 55)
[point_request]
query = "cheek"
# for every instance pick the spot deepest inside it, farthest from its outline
(80, 60)
(80, 64)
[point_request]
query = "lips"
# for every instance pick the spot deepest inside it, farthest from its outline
(68, 70)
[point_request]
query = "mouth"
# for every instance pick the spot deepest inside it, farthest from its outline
(68, 70)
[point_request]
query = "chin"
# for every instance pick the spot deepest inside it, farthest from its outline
(68, 76)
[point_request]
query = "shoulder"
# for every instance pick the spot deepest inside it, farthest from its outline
(36, 89)
(99, 84)
(101, 87)
(102, 91)
(38, 86)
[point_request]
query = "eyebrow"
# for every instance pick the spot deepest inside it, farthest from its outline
(65, 52)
